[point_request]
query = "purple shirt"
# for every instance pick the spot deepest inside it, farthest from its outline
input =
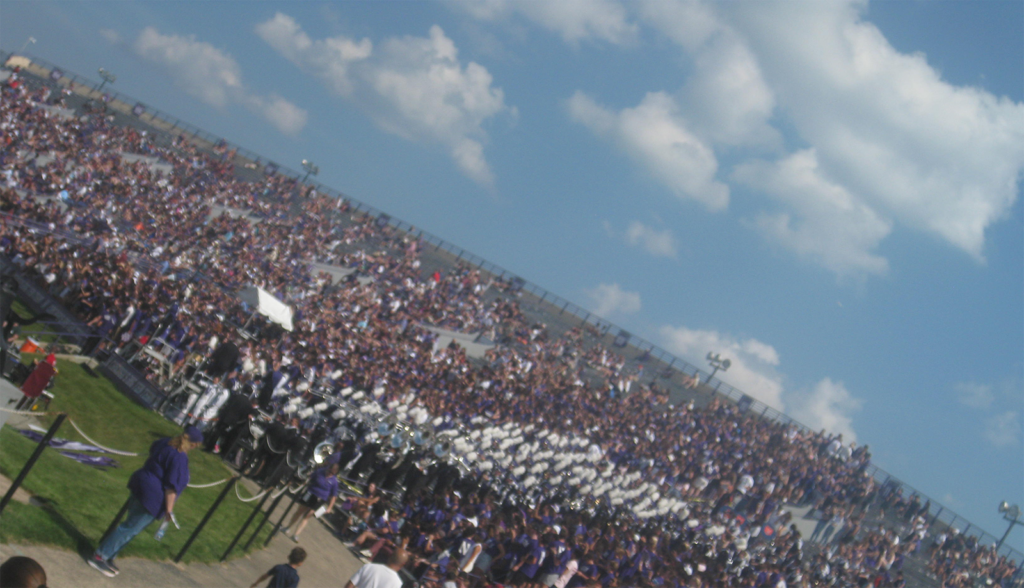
(165, 469)
(322, 485)
(534, 561)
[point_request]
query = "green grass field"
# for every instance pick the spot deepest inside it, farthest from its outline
(80, 501)
(34, 329)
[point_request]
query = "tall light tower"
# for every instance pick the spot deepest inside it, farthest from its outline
(29, 41)
(107, 78)
(1012, 513)
(717, 362)
(311, 169)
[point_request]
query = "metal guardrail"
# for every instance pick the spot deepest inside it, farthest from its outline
(160, 121)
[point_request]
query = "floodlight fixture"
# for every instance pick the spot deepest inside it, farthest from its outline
(108, 77)
(29, 41)
(1012, 514)
(311, 169)
(717, 362)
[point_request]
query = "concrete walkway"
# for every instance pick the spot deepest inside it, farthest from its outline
(328, 564)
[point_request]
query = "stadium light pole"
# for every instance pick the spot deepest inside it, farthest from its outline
(1012, 513)
(311, 169)
(29, 41)
(717, 362)
(107, 77)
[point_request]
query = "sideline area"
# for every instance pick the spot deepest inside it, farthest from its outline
(74, 502)
(327, 564)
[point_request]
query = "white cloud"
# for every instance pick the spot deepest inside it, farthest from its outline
(656, 135)
(414, 87)
(726, 98)
(214, 77)
(902, 145)
(657, 243)
(754, 363)
(287, 117)
(887, 132)
(827, 406)
(611, 298)
(687, 22)
(430, 95)
(973, 394)
(574, 20)
(884, 125)
(199, 68)
(827, 224)
(330, 59)
(755, 371)
(1003, 429)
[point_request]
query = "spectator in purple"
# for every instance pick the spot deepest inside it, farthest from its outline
(155, 488)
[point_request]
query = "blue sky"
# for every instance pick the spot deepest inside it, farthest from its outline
(826, 193)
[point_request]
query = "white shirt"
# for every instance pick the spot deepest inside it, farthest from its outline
(210, 402)
(376, 576)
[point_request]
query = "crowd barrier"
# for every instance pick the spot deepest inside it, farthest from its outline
(41, 301)
(125, 105)
(130, 382)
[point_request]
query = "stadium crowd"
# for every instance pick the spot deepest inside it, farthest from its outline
(144, 256)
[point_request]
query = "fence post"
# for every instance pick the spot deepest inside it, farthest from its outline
(936, 517)
(245, 526)
(206, 518)
(280, 521)
(116, 521)
(266, 516)
(32, 460)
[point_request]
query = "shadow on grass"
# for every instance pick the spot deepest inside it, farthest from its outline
(83, 545)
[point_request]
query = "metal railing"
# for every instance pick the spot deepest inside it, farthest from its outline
(168, 123)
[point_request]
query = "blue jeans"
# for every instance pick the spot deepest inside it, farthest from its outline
(137, 519)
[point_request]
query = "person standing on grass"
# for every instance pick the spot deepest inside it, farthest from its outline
(284, 575)
(155, 488)
(323, 488)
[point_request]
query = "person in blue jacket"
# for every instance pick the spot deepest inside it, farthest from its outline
(155, 488)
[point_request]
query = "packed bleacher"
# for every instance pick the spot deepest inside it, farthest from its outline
(553, 478)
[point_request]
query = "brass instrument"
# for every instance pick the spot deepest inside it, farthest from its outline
(322, 452)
